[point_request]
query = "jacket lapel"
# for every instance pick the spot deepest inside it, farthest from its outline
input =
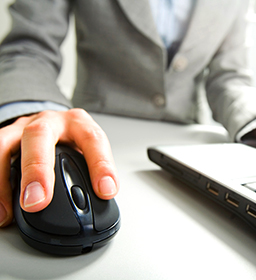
(203, 21)
(139, 14)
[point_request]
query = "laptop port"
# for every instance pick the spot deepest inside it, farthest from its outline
(231, 200)
(251, 211)
(212, 189)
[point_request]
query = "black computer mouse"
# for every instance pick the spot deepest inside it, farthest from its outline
(76, 221)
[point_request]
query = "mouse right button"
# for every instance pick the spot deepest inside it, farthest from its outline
(106, 213)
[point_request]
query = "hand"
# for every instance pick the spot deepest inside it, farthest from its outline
(37, 136)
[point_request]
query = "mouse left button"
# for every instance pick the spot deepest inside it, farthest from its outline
(58, 217)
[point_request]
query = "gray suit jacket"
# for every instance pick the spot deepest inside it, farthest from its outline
(122, 63)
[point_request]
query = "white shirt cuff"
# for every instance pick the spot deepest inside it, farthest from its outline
(17, 109)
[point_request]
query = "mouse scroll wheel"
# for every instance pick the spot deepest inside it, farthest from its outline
(74, 182)
(78, 197)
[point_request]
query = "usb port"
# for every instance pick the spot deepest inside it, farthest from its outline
(212, 189)
(231, 200)
(251, 211)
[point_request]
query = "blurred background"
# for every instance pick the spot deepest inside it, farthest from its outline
(67, 78)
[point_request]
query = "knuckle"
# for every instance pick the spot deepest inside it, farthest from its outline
(102, 164)
(94, 134)
(41, 126)
(23, 120)
(77, 114)
(7, 143)
(88, 127)
(47, 114)
(36, 169)
(4, 143)
(36, 165)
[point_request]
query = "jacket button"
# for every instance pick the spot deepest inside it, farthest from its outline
(180, 63)
(159, 100)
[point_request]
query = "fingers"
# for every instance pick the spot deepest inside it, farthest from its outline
(76, 128)
(95, 146)
(6, 214)
(9, 143)
(37, 160)
(37, 135)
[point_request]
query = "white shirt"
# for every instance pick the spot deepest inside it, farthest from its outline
(171, 18)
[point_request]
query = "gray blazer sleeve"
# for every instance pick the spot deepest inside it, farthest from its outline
(30, 57)
(231, 97)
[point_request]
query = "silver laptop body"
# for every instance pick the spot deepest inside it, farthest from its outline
(225, 173)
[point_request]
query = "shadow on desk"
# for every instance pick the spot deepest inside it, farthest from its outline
(222, 223)
(20, 261)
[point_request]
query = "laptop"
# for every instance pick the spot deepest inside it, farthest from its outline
(226, 173)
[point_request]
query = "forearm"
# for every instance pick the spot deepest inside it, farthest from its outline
(30, 58)
(229, 87)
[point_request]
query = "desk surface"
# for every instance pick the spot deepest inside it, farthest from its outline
(168, 230)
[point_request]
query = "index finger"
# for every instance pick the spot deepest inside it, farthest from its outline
(38, 159)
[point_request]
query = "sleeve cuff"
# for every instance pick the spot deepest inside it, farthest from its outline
(248, 128)
(17, 109)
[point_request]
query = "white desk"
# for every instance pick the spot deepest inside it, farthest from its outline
(168, 230)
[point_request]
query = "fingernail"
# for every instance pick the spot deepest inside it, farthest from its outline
(3, 215)
(107, 186)
(34, 194)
